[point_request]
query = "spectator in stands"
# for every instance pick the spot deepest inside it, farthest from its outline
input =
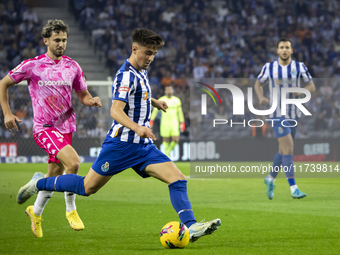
(29, 51)
(167, 80)
(31, 16)
(13, 56)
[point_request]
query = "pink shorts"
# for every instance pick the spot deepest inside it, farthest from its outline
(52, 142)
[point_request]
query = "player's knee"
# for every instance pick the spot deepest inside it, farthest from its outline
(288, 150)
(180, 176)
(91, 190)
(55, 172)
(72, 168)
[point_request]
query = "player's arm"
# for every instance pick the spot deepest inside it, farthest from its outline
(159, 104)
(86, 99)
(310, 86)
(10, 118)
(118, 114)
(181, 117)
(259, 92)
(153, 116)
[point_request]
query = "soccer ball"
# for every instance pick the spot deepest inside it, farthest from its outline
(174, 235)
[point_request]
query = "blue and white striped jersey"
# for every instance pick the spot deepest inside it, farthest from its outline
(284, 76)
(131, 86)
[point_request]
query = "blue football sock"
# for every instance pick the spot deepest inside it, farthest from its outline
(288, 167)
(276, 165)
(68, 182)
(180, 202)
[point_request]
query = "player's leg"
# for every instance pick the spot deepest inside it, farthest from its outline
(165, 134)
(286, 147)
(159, 167)
(270, 178)
(174, 142)
(171, 175)
(94, 181)
(71, 162)
(35, 211)
(173, 131)
(53, 169)
(59, 148)
(62, 183)
(105, 166)
(165, 143)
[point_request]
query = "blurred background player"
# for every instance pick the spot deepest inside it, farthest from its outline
(171, 121)
(283, 72)
(51, 77)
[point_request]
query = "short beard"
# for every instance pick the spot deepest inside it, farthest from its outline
(57, 54)
(284, 59)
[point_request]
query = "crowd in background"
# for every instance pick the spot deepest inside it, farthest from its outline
(203, 39)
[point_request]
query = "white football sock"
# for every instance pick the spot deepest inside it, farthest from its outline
(41, 201)
(293, 188)
(271, 178)
(70, 200)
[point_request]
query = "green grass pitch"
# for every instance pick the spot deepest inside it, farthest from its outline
(126, 215)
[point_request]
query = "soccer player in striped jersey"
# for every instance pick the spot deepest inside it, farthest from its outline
(51, 77)
(129, 142)
(283, 72)
(171, 121)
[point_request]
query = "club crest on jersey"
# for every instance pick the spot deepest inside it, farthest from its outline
(294, 72)
(105, 167)
(142, 82)
(280, 130)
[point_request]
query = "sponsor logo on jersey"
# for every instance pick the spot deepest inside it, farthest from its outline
(124, 89)
(54, 83)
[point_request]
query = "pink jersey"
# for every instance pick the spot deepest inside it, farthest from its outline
(50, 86)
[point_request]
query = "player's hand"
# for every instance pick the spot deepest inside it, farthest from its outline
(95, 101)
(10, 120)
(264, 101)
(145, 132)
(182, 125)
(160, 105)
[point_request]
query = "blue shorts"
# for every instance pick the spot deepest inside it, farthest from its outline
(281, 131)
(116, 156)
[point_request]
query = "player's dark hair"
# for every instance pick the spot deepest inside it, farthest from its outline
(56, 26)
(146, 37)
(284, 39)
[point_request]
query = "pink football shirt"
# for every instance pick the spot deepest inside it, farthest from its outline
(50, 86)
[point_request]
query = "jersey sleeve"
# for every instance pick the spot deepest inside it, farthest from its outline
(79, 82)
(304, 73)
(123, 84)
(154, 114)
(22, 71)
(263, 76)
(180, 111)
